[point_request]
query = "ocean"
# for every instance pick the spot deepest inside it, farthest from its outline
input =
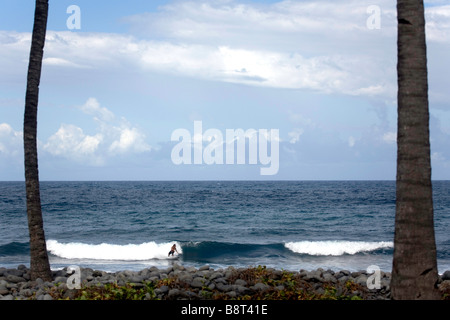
(288, 225)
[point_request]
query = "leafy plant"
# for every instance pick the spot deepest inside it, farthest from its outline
(112, 291)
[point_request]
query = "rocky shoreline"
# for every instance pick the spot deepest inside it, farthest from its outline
(188, 283)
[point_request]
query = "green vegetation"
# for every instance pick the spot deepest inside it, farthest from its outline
(273, 285)
(109, 291)
(289, 286)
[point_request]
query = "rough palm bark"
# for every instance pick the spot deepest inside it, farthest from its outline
(414, 269)
(39, 263)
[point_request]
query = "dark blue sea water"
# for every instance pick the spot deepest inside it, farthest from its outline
(283, 224)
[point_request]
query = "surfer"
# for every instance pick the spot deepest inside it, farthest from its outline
(172, 250)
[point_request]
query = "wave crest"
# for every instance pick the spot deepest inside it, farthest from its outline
(106, 251)
(336, 248)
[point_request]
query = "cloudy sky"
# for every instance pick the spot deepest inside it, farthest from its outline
(114, 90)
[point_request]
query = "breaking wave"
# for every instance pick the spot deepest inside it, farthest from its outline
(106, 251)
(336, 248)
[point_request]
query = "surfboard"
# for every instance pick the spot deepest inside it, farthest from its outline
(174, 257)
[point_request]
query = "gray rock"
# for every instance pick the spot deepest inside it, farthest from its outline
(107, 279)
(138, 285)
(11, 285)
(361, 279)
(14, 279)
(223, 287)
(178, 267)
(190, 295)
(26, 293)
(63, 286)
(302, 273)
(202, 274)
(320, 290)
(203, 268)
(14, 272)
(444, 285)
(60, 280)
(242, 290)
(278, 274)
(385, 283)
(135, 279)
(26, 285)
(22, 267)
(215, 275)
(168, 270)
(446, 275)
(198, 282)
(191, 269)
(260, 287)
(185, 277)
(177, 272)
(328, 277)
(97, 273)
(162, 290)
(240, 282)
(47, 297)
(345, 272)
(174, 293)
(154, 274)
(70, 293)
(221, 280)
(86, 271)
(60, 273)
(148, 296)
(229, 273)
(212, 286)
(7, 297)
(314, 276)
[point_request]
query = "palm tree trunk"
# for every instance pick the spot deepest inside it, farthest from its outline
(39, 263)
(414, 269)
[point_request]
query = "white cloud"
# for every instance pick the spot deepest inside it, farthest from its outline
(113, 138)
(130, 140)
(437, 156)
(438, 24)
(59, 62)
(323, 46)
(11, 141)
(92, 107)
(71, 142)
(390, 137)
(294, 135)
(351, 141)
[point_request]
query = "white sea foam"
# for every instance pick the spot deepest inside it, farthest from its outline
(335, 248)
(105, 251)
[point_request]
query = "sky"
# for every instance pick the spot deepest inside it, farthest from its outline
(153, 90)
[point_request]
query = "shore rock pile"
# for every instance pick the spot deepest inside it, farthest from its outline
(179, 282)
